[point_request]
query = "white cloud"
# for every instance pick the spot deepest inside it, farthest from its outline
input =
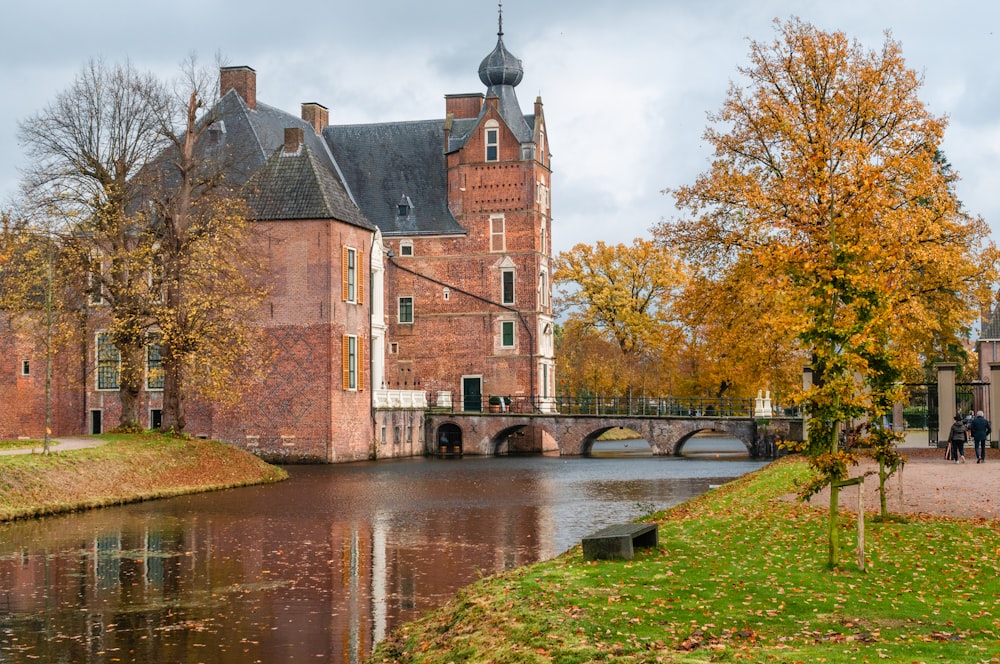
(626, 86)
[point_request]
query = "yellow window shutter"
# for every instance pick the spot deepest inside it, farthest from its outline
(345, 348)
(344, 273)
(361, 364)
(361, 284)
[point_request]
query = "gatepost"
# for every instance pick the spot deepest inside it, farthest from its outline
(946, 399)
(994, 401)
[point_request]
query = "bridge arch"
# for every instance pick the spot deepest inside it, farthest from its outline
(521, 438)
(448, 438)
(574, 435)
(679, 446)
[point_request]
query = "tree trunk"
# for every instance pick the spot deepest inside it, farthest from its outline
(882, 477)
(173, 403)
(130, 384)
(833, 539)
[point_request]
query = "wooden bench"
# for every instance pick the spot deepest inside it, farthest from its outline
(618, 541)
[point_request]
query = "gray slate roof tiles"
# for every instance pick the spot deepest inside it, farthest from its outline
(382, 163)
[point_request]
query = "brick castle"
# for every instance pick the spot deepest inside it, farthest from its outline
(410, 267)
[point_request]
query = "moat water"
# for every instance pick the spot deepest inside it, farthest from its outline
(317, 568)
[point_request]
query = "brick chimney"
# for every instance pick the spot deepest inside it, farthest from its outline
(293, 139)
(242, 79)
(317, 115)
(463, 106)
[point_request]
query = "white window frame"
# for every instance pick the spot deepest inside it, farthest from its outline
(154, 383)
(507, 295)
(491, 141)
(352, 362)
(399, 310)
(26, 367)
(98, 373)
(406, 248)
(498, 233)
(504, 325)
(352, 274)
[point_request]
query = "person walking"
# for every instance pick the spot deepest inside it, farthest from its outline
(980, 430)
(957, 436)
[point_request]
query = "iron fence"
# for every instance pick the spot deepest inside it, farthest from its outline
(616, 406)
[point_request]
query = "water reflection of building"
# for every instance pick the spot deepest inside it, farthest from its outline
(275, 582)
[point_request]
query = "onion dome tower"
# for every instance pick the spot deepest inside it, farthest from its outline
(500, 72)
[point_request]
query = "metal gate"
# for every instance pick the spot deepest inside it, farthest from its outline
(920, 409)
(974, 396)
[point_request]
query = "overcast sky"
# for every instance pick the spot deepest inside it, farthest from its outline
(626, 84)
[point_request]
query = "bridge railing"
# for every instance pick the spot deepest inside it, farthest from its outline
(613, 406)
(662, 407)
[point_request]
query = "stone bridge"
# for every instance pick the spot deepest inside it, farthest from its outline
(573, 435)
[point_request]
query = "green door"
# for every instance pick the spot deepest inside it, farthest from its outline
(472, 393)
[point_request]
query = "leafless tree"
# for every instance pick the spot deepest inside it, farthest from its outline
(88, 148)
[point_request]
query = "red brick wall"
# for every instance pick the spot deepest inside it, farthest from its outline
(300, 411)
(460, 336)
(22, 398)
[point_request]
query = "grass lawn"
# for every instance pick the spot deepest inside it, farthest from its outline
(128, 468)
(738, 576)
(25, 444)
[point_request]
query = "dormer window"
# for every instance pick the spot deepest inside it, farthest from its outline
(405, 207)
(492, 141)
(215, 133)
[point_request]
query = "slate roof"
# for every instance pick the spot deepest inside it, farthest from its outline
(298, 185)
(305, 186)
(353, 172)
(389, 163)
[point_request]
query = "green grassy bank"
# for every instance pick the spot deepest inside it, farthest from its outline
(739, 576)
(127, 468)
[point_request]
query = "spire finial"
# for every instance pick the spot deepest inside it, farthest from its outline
(500, 20)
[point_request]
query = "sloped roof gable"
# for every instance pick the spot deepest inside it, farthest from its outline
(299, 186)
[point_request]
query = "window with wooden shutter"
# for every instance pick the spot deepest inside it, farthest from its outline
(350, 356)
(360, 260)
(343, 278)
(346, 360)
(359, 360)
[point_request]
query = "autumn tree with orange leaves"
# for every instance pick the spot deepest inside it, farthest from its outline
(617, 300)
(827, 190)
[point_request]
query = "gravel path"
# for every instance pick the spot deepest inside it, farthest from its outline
(62, 444)
(931, 485)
